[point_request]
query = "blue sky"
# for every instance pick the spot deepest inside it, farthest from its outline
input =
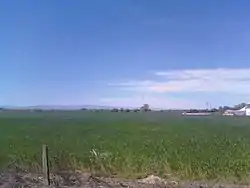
(170, 54)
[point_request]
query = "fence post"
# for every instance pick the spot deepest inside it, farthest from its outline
(45, 163)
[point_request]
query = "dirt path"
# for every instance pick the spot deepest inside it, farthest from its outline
(85, 180)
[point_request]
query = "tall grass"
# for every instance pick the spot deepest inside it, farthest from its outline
(129, 144)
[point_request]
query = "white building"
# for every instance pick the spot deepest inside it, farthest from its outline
(248, 110)
(242, 112)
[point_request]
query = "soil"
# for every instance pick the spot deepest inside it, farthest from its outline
(85, 180)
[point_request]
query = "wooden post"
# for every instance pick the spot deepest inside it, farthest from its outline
(45, 163)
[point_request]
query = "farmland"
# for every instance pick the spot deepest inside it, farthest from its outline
(128, 144)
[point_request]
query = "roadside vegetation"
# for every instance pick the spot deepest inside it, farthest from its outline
(128, 144)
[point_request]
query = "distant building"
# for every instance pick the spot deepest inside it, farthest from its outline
(145, 108)
(245, 111)
(248, 110)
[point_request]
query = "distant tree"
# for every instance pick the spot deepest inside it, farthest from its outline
(114, 110)
(38, 110)
(214, 110)
(226, 108)
(239, 106)
(84, 109)
(193, 111)
(235, 107)
(121, 110)
(127, 110)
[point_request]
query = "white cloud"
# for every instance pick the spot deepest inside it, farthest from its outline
(232, 81)
(186, 88)
(154, 101)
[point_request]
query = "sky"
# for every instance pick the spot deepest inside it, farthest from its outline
(169, 54)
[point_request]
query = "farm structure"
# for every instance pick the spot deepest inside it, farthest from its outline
(245, 111)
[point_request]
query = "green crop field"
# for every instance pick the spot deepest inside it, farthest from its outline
(128, 144)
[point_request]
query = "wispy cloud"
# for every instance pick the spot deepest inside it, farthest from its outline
(185, 88)
(155, 102)
(233, 81)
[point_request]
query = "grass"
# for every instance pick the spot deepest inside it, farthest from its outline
(129, 144)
